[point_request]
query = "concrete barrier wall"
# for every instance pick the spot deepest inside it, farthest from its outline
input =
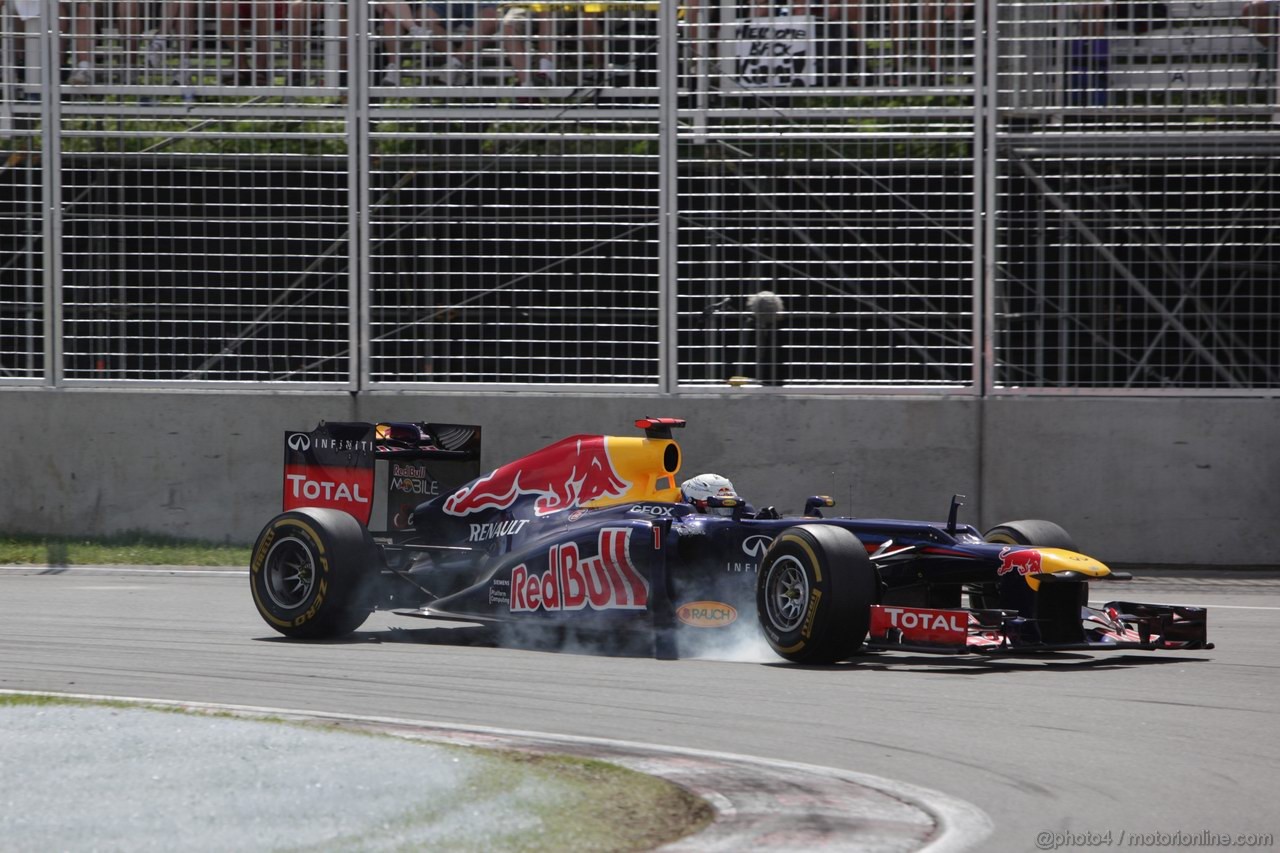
(1177, 480)
(1169, 480)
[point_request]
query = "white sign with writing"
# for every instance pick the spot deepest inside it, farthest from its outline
(769, 53)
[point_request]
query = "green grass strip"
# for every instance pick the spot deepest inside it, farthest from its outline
(129, 548)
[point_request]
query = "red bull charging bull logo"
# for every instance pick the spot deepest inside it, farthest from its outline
(1025, 561)
(607, 581)
(564, 475)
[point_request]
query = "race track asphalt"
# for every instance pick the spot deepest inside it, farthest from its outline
(1061, 752)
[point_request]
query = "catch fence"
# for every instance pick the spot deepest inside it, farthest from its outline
(882, 196)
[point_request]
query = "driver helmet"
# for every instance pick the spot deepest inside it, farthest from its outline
(711, 494)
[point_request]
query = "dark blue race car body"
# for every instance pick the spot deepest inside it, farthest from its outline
(591, 533)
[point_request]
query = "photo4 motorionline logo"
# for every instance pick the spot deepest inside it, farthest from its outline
(1124, 839)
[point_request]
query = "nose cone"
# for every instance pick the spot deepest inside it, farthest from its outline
(1054, 560)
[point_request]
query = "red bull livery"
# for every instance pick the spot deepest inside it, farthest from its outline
(566, 474)
(592, 533)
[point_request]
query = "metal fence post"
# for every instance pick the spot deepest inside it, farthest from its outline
(668, 194)
(359, 250)
(51, 190)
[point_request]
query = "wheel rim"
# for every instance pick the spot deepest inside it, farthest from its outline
(289, 573)
(786, 593)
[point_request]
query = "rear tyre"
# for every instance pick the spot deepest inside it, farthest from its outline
(310, 573)
(814, 594)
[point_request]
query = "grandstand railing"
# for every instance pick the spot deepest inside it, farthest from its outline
(873, 197)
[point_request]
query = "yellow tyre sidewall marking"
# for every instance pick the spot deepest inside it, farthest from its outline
(815, 595)
(260, 556)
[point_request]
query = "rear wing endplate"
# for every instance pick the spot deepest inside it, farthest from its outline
(336, 465)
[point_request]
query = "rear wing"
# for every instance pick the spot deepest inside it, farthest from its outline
(336, 465)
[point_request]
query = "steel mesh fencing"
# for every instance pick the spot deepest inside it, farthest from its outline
(22, 279)
(823, 272)
(514, 198)
(203, 228)
(885, 195)
(827, 204)
(530, 265)
(1137, 198)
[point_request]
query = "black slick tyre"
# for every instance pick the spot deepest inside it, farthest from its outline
(1031, 531)
(310, 573)
(814, 594)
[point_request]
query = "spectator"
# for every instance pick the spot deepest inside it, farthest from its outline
(26, 10)
(586, 31)
(484, 23)
(250, 27)
(933, 13)
(25, 32)
(301, 18)
(178, 20)
(76, 18)
(1262, 17)
(837, 37)
(85, 19)
(527, 38)
(128, 24)
(398, 21)
(1090, 77)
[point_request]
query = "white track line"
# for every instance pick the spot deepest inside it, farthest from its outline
(121, 570)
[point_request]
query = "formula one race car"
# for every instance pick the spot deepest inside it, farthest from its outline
(595, 532)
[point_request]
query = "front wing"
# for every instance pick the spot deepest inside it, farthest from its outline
(1115, 625)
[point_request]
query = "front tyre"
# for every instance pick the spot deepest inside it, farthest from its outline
(1032, 531)
(814, 594)
(309, 573)
(1028, 531)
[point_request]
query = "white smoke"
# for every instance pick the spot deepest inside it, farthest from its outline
(743, 643)
(739, 643)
